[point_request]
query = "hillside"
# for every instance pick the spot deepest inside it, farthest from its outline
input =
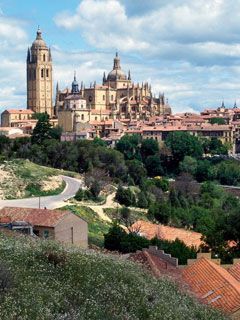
(23, 178)
(41, 280)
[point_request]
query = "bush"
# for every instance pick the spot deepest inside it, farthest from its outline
(125, 196)
(112, 240)
(161, 183)
(176, 248)
(83, 195)
(6, 279)
(142, 200)
(132, 242)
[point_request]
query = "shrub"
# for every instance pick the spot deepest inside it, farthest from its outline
(6, 279)
(125, 196)
(142, 200)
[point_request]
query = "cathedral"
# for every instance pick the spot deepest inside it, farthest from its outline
(117, 98)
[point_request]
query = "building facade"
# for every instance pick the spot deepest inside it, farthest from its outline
(39, 77)
(63, 226)
(116, 98)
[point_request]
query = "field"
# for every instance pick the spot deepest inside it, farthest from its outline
(42, 280)
(22, 178)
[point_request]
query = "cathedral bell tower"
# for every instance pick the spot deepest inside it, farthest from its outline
(39, 77)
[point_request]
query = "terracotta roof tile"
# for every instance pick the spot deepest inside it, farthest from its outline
(37, 217)
(235, 271)
(213, 285)
(151, 230)
(28, 111)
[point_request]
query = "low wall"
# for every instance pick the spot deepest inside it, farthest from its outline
(162, 255)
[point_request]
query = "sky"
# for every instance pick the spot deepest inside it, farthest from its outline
(190, 50)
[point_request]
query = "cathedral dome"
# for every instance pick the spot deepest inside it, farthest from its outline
(39, 43)
(116, 73)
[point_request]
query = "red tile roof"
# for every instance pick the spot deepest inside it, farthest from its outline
(28, 111)
(213, 285)
(36, 217)
(235, 271)
(151, 230)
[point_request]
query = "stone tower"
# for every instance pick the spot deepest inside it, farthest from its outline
(39, 77)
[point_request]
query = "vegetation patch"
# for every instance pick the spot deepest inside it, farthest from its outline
(23, 178)
(53, 282)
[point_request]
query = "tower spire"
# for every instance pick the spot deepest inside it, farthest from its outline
(28, 55)
(116, 62)
(39, 34)
(129, 75)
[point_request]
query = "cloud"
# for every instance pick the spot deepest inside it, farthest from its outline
(13, 43)
(178, 30)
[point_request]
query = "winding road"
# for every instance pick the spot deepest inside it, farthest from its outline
(50, 202)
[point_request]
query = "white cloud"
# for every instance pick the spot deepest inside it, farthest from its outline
(13, 43)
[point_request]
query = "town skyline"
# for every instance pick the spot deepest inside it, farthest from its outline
(184, 64)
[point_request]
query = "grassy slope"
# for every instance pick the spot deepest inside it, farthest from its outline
(96, 227)
(25, 179)
(86, 285)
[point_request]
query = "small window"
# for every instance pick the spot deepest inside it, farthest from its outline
(82, 116)
(47, 72)
(44, 57)
(95, 118)
(111, 97)
(103, 97)
(45, 234)
(42, 73)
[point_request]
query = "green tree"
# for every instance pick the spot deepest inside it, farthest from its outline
(136, 170)
(161, 183)
(42, 131)
(112, 240)
(217, 120)
(161, 211)
(184, 144)
(188, 165)
(142, 200)
(125, 216)
(125, 196)
(129, 146)
(215, 146)
(154, 166)
(149, 147)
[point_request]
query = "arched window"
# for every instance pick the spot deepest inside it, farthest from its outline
(82, 117)
(95, 118)
(44, 57)
(47, 73)
(103, 97)
(42, 73)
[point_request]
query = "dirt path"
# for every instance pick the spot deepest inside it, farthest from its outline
(110, 203)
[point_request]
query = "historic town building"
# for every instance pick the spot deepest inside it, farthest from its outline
(39, 77)
(116, 98)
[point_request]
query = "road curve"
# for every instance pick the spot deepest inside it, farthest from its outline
(49, 202)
